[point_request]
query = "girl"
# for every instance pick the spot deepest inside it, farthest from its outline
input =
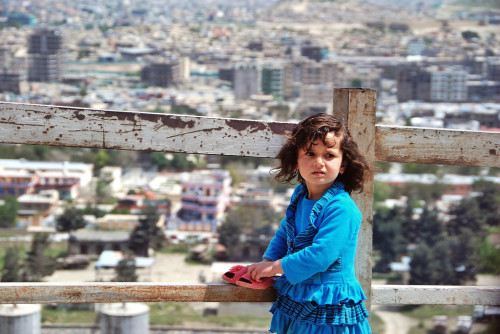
(315, 245)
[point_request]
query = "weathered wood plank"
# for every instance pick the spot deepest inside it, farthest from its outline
(45, 293)
(91, 292)
(64, 126)
(437, 146)
(77, 127)
(356, 108)
(436, 295)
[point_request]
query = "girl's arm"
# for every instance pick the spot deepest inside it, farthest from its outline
(277, 247)
(339, 224)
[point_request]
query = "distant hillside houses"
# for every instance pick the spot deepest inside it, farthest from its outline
(456, 184)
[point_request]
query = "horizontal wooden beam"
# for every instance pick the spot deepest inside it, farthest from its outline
(124, 130)
(45, 293)
(437, 146)
(436, 295)
(138, 131)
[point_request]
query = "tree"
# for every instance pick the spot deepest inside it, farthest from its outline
(147, 234)
(11, 266)
(8, 212)
(430, 228)
(432, 265)
(125, 271)
(71, 219)
(101, 159)
(467, 215)
(37, 264)
(229, 233)
(469, 35)
(247, 220)
(388, 235)
(488, 201)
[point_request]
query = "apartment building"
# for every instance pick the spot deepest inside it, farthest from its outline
(15, 183)
(246, 80)
(205, 197)
(414, 84)
(35, 207)
(162, 73)
(46, 57)
(448, 85)
(19, 177)
(273, 78)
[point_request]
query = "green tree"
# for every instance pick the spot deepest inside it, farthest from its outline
(467, 215)
(381, 191)
(11, 266)
(430, 228)
(488, 201)
(147, 234)
(71, 219)
(388, 235)
(229, 233)
(465, 256)
(8, 212)
(247, 220)
(38, 265)
(160, 160)
(432, 265)
(101, 159)
(125, 271)
(489, 257)
(412, 168)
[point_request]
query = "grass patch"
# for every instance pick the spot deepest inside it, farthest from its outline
(426, 312)
(171, 248)
(172, 313)
(54, 316)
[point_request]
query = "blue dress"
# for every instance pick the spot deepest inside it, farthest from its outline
(318, 292)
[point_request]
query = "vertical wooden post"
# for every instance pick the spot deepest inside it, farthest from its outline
(356, 108)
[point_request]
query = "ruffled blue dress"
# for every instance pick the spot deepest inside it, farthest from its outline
(316, 242)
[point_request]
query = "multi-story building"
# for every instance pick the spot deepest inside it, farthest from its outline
(18, 177)
(11, 82)
(273, 77)
(205, 196)
(449, 85)
(246, 80)
(46, 56)
(162, 73)
(493, 69)
(12, 74)
(311, 51)
(249, 195)
(15, 183)
(414, 83)
(35, 207)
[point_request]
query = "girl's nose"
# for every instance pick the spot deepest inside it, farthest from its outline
(318, 161)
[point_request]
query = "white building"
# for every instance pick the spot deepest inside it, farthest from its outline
(449, 85)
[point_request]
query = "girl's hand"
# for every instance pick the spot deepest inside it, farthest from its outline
(265, 268)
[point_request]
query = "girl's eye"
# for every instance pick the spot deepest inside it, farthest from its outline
(309, 153)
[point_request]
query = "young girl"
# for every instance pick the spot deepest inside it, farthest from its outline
(314, 247)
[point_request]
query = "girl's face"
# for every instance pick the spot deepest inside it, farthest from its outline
(320, 165)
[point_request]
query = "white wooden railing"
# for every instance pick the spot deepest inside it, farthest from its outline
(107, 129)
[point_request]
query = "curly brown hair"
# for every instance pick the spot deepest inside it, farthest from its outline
(305, 134)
